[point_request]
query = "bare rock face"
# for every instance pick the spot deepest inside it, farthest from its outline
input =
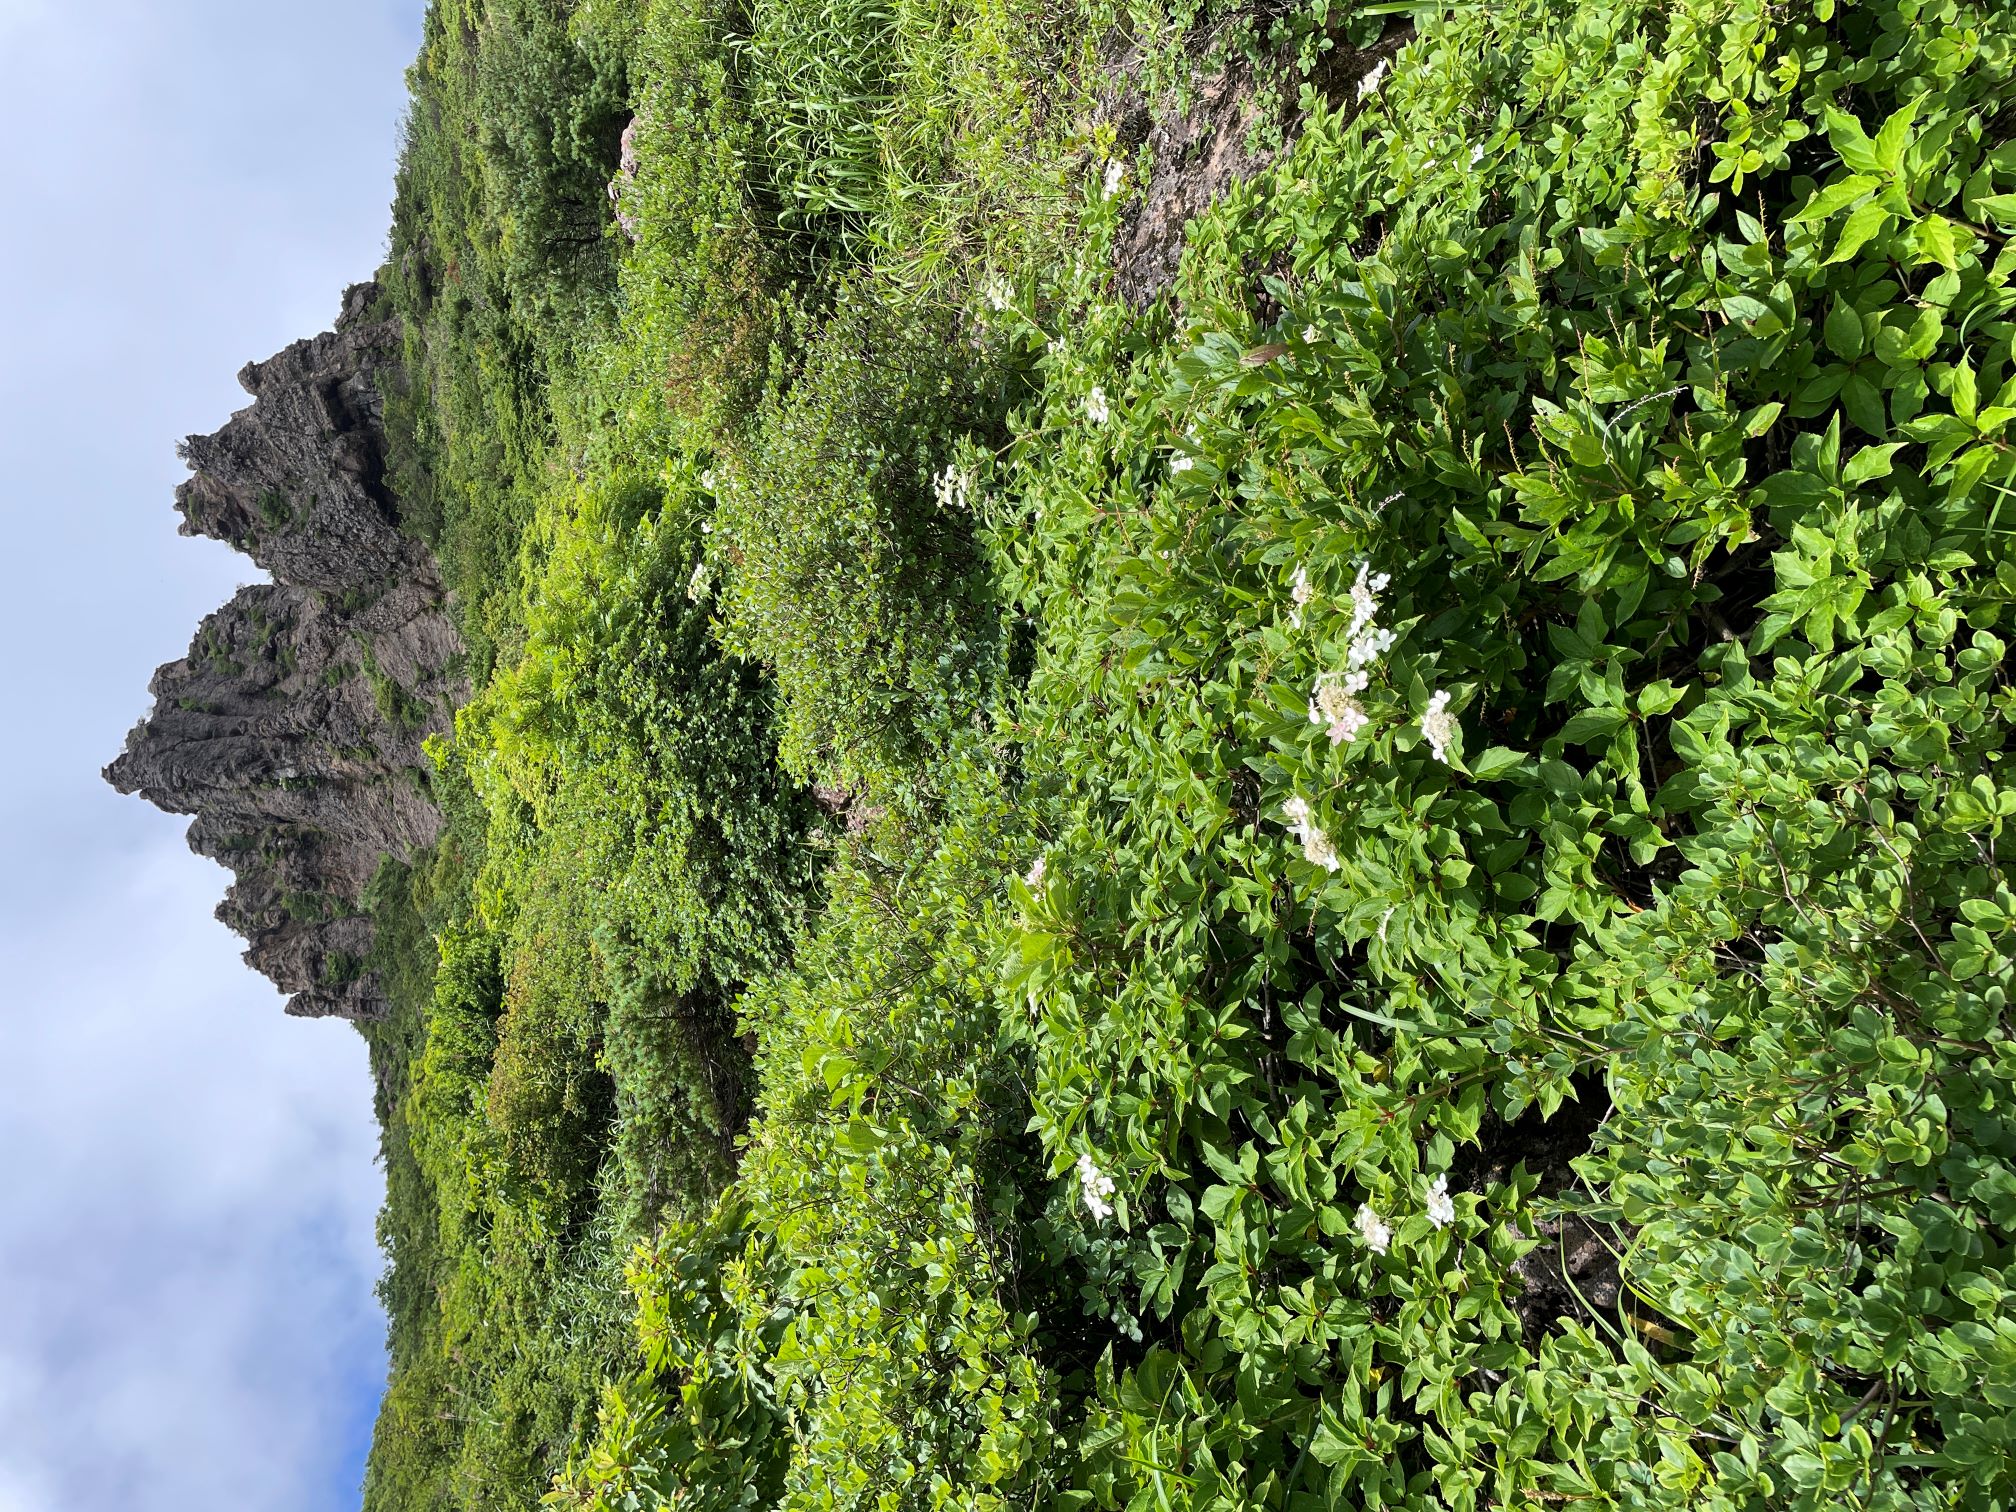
(292, 730)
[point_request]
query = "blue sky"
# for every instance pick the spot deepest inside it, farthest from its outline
(186, 1214)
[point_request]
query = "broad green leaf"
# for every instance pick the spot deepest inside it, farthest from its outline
(1837, 196)
(1895, 137)
(1844, 331)
(1864, 223)
(1935, 240)
(1870, 463)
(1851, 141)
(1592, 725)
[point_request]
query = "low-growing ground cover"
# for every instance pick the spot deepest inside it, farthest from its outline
(1374, 882)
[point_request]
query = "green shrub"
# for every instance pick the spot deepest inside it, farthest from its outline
(549, 1101)
(1641, 394)
(861, 1339)
(1505, 1002)
(845, 547)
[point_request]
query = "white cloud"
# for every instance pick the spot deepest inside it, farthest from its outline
(187, 1253)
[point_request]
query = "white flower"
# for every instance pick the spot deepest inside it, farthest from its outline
(997, 296)
(1331, 703)
(1441, 1206)
(1316, 847)
(1373, 1230)
(1095, 406)
(1476, 154)
(1095, 1187)
(953, 487)
(1033, 879)
(1438, 726)
(698, 584)
(707, 480)
(1181, 463)
(1318, 851)
(1309, 337)
(1115, 171)
(1365, 591)
(1370, 83)
(1369, 641)
(1367, 648)
(1301, 592)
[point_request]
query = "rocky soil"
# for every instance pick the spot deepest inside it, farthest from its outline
(292, 730)
(1204, 145)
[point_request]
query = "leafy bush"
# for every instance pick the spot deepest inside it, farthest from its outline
(703, 285)
(548, 1099)
(1540, 674)
(862, 1333)
(1504, 1002)
(845, 547)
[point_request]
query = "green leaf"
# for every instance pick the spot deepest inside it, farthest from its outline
(1844, 331)
(1936, 242)
(1850, 140)
(2000, 208)
(1837, 196)
(1895, 138)
(1871, 462)
(1497, 760)
(1866, 222)
(1661, 697)
(1760, 420)
(1592, 725)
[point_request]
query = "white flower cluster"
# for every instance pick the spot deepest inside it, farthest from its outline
(1441, 1206)
(1095, 406)
(1373, 1229)
(1096, 1187)
(1333, 702)
(1368, 641)
(997, 296)
(1438, 725)
(1301, 592)
(1369, 85)
(1378, 1233)
(1033, 878)
(1115, 172)
(1316, 847)
(698, 585)
(1309, 335)
(953, 488)
(1182, 462)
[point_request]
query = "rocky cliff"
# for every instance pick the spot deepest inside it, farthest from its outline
(292, 730)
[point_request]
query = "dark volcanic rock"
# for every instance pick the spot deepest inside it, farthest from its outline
(292, 730)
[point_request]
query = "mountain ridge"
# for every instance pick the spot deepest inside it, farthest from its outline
(292, 732)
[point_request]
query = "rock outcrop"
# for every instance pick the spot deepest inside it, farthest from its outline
(292, 730)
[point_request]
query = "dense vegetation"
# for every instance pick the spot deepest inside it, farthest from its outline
(1376, 883)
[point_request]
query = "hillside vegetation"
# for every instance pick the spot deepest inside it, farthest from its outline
(1373, 883)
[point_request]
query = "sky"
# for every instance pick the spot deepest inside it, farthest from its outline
(188, 1186)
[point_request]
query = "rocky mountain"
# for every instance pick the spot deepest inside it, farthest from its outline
(292, 730)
